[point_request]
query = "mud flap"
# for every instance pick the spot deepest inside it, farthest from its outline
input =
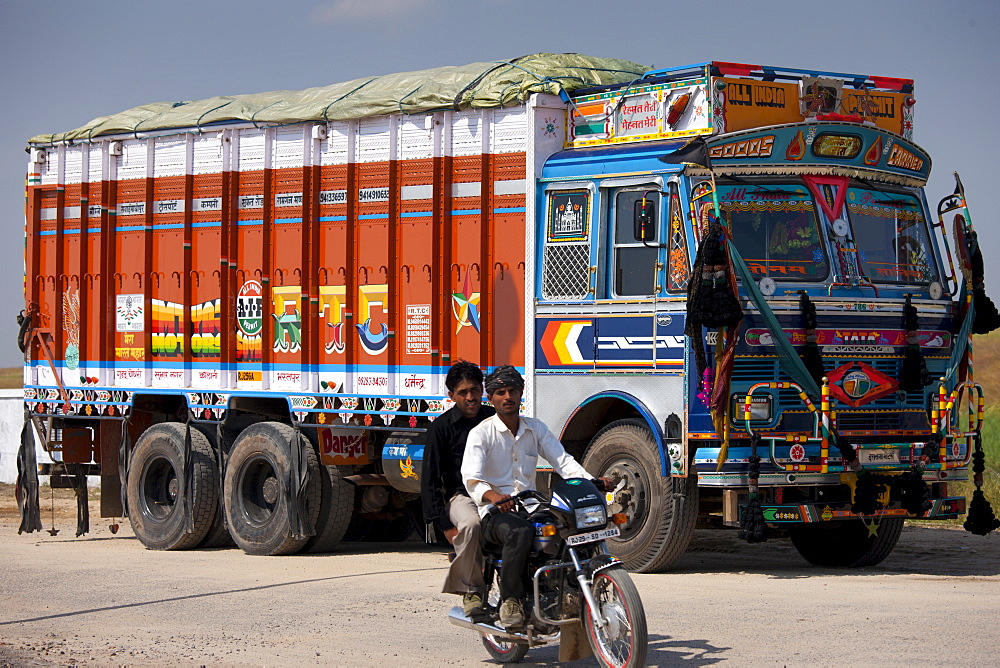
(82, 504)
(573, 643)
(124, 455)
(298, 479)
(26, 489)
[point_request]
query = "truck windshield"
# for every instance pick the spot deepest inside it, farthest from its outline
(891, 236)
(775, 228)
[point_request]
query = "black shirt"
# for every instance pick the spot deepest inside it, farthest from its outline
(441, 472)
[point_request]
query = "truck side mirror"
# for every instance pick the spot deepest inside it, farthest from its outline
(644, 221)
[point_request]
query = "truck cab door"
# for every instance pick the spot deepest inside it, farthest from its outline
(630, 276)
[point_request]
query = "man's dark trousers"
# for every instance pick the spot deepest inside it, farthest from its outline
(515, 533)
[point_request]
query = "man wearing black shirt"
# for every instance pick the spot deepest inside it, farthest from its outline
(446, 502)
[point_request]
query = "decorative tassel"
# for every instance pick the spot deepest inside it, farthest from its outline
(753, 527)
(913, 375)
(914, 493)
(707, 384)
(986, 318)
(867, 490)
(810, 351)
(980, 519)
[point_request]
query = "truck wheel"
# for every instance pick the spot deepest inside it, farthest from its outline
(846, 544)
(154, 488)
(335, 511)
(661, 511)
(256, 489)
(218, 534)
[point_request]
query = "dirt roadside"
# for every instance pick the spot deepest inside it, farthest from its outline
(104, 600)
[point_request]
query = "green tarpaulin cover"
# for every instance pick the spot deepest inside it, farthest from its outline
(486, 84)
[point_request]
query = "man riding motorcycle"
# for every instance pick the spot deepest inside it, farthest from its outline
(446, 504)
(501, 455)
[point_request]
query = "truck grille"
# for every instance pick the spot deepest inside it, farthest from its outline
(749, 370)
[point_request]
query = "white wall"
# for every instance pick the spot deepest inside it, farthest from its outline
(11, 419)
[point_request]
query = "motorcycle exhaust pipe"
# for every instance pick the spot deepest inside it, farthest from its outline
(458, 618)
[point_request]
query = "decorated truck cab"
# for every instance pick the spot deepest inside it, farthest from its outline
(722, 282)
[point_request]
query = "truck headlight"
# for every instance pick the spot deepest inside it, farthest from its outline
(591, 516)
(760, 408)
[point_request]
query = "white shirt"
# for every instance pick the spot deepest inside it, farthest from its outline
(497, 460)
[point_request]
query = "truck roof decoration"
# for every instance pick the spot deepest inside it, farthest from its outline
(716, 98)
(483, 84)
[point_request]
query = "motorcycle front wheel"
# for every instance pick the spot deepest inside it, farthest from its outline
(621, 640)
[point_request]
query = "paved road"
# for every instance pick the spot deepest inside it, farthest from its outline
(103, 599)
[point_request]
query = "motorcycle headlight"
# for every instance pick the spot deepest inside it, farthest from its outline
(591, 516)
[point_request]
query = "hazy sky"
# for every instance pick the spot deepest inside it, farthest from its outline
(65, 62)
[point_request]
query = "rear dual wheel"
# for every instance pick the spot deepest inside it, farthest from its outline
(157, 508)
(258, 497)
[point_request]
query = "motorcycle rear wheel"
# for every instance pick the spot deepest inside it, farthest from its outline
(621, 643)
(504, 650)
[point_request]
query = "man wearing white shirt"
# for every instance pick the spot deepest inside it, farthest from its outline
(501, 454)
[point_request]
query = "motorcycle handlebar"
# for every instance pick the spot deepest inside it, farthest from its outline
(516, 498)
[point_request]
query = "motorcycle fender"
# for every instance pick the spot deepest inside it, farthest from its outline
(600, 563)
(573, 643)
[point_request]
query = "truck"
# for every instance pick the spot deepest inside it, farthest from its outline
(239, 311)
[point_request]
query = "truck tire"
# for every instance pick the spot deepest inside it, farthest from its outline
(256, 489)
(154, 486)
(846, 544)
(661, 511)
(218, 535)
(335, 511)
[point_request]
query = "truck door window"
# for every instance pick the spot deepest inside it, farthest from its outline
(891, 237)
(566, 261)
(634, 270)
(775, 228)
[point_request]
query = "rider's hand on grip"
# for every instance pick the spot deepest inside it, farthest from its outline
(603, 484)
(501, 504)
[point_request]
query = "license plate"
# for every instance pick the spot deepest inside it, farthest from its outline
(878, 456)
(582, 538)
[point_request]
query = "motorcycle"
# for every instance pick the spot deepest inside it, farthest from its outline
(577, 586)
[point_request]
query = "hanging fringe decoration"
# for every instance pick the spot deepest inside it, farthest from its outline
(753, 527)
(712, 302)
(987, 318)
(913, 376)
(810, 351)
(980, 519)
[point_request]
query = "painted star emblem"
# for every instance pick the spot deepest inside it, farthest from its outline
(465, 306)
